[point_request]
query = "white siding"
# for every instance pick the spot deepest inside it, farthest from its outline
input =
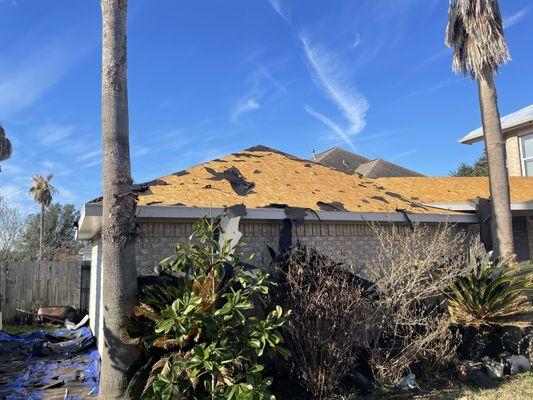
(95, 314)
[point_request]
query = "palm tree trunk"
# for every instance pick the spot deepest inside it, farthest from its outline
(119, 274)
(502, 222)
(41, 233)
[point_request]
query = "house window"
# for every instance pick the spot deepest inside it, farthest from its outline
(527, 154)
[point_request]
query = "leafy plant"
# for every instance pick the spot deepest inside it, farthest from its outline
(493, 292)
(207, 343)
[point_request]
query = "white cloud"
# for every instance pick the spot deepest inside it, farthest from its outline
(268, 76)
(51, 135)
(333, 78)
(65, 195)
(404, 154)
(328, 122)
(55, 168)
(433, 88)
(139, 151)
(437, 56)
(89, 155)
(10, 169)
(276, 5)
(17, 196)
(32, 73)
(516, 17)
(39, 58)
(97, 161)
(356, 41)
(244, 106)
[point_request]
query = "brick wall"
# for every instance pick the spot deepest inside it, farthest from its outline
(512, 150)
(521, 238)
(352, 243)
(348, 243)
(530, 235)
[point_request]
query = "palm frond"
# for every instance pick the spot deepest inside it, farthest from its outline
(475, 33)
(491, 293)
(42, 190)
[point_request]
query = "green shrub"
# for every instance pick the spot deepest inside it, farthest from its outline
(491, 293)
(209, 343)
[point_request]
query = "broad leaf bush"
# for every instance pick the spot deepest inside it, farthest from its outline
(208, 342)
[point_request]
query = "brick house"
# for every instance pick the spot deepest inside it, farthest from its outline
(518, 132)
(351, 163)
(333, 208)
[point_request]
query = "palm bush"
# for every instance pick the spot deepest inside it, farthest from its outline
(205, 340)
(493, 292)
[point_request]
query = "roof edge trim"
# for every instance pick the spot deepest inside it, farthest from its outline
(467, 206)
(474, 137)
(90, 221)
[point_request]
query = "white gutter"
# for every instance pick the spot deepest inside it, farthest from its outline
(91, 216)
(468, 207)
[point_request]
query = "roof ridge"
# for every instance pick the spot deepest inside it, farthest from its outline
(327, 152)
(375, 162)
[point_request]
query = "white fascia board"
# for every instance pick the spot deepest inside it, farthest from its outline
(468, 207)
(90, 221)
(525, 206)
(452, 206)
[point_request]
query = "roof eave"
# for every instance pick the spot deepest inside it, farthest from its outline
(470, 207)
(91, 216)
(479, 136)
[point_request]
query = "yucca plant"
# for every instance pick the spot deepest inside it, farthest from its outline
(493, 292)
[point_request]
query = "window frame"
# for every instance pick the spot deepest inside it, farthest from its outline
(528, 136)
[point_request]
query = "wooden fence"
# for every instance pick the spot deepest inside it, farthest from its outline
(32, 284)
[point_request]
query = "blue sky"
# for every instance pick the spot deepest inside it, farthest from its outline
(210, 77)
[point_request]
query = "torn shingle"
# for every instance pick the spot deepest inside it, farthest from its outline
(380, 198)
(333, 206)
(240, 185)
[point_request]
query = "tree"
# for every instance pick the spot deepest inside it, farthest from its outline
(59, 234)
(42, 192)
(475, 33)
(5, 145)
(11, 226)
(119, 274)
(480, 167)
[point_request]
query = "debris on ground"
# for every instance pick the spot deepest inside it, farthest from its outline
(517, 364)
(488, 371)
(57, 312)
(62, 364)
(408, 382)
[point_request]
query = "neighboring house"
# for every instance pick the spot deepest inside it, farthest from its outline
(352, 163)
(518, 131)
(86, 252)
(312, 203)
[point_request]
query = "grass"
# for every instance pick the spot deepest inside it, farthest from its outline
(25, 328)
(514, 388)
(518, 388)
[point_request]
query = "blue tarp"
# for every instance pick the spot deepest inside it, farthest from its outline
(31, 364)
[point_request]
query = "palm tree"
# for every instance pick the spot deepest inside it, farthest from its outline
(119, 273)
(5, 146)
(475, 33)
(42, 192)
